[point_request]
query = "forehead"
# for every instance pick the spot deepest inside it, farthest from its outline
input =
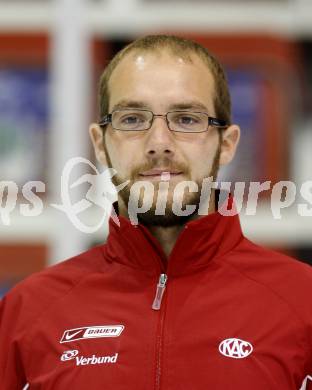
(161, 79)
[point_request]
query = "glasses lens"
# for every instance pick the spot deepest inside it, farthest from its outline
(190, 122)
(134, 120)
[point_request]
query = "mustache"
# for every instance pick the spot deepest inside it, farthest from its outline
(159, 164)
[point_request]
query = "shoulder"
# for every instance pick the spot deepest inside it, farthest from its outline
(283, 275)
(270, 263)
(44, 288)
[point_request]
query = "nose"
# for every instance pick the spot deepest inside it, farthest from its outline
(159, 140)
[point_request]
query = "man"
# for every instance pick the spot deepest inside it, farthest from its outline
(179, 301)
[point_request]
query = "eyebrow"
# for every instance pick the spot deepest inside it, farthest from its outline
(129, 104)
(192, 105)
(187, 105)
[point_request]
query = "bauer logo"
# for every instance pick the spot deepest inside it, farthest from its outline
(90, 360)
(235, 348)
(91, 332)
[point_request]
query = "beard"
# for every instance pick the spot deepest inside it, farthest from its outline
(161, 200)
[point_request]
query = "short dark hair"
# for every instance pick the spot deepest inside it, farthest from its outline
(180, 47)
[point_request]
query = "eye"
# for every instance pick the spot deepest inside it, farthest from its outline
(131, 119)
(187, 120)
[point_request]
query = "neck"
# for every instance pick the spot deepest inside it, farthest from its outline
(167, 236)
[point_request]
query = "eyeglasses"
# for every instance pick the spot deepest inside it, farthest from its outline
(180, 121)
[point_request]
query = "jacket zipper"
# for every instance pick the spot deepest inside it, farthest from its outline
(161, 286)
(157, 305)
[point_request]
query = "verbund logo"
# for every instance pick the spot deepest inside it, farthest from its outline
(69, 355)
(235, 348)
(85, 361)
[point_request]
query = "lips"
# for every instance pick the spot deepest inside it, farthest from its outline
(158, 172)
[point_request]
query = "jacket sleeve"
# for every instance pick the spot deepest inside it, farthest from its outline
(12, 375)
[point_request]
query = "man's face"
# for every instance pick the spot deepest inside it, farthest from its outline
(162, 83)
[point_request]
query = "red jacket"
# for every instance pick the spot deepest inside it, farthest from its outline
(233, 315)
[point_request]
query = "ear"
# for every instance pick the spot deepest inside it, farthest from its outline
(229, 144)
(97, 138)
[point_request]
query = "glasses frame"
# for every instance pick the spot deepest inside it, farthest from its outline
(106, 119)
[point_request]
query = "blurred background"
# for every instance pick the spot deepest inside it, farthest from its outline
(51, 56)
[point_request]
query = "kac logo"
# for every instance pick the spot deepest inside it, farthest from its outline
(235, 348)
(69, 355)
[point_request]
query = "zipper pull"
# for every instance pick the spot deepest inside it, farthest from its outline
(161, 286)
